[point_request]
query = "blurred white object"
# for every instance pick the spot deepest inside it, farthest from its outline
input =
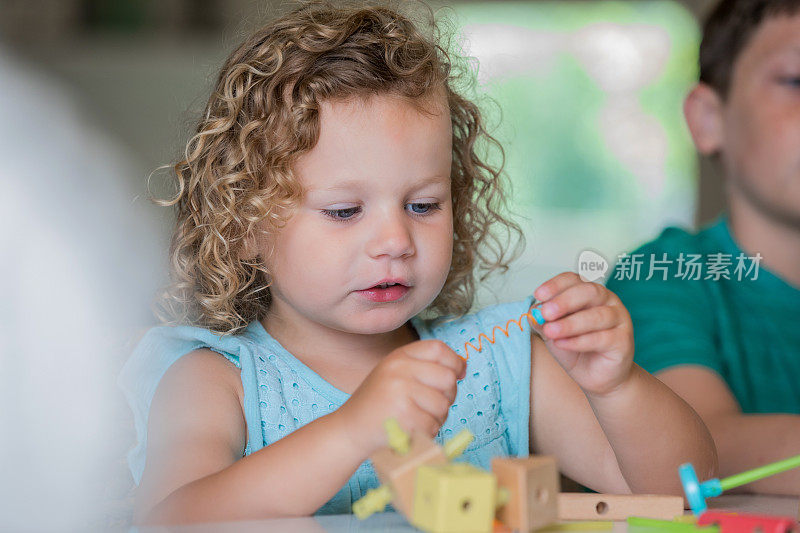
(78, 275)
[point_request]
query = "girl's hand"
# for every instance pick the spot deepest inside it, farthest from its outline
(415, 383)
(588, 331)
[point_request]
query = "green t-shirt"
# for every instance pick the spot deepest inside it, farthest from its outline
(746, 328)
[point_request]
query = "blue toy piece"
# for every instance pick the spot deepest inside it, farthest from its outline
(696, 492)
(537, 315)
(535, 312)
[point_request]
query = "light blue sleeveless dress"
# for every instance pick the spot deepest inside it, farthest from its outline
(281, 394)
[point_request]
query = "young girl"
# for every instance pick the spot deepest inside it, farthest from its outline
(332, 194)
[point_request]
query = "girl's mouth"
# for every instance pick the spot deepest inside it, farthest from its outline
(385, 292)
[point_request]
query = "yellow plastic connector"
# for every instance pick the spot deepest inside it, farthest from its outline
(374, 501)
(503, 497)
(456, 446)
(399, 440)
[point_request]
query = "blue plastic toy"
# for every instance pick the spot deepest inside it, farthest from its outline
(696, 492)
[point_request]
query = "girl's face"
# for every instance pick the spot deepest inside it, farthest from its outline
(377, 210)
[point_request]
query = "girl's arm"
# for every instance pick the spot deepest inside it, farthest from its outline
(196, 437)
(197, 434)
(612, 426)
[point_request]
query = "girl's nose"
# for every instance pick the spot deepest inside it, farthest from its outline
(390, 236)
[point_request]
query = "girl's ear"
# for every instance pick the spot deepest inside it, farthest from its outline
(703, 109)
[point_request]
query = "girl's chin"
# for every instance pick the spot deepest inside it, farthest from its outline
(377, 322)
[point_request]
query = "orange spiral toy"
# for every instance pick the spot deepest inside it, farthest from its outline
(533, 314)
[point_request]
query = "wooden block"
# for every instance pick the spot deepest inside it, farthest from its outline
(580, 506)
(533, 484)
(399, 471)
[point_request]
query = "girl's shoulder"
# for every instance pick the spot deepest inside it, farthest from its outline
(165, 344)
(158, 350)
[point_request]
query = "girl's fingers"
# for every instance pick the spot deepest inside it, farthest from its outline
(421, 421)
(596, 341)
(436, 376)
(433, 402)
(438, 352)
(555, 285)
(585, 321)
(573, 299)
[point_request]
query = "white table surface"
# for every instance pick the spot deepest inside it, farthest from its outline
(395, 523)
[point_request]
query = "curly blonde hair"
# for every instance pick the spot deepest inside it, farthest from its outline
(264, 113)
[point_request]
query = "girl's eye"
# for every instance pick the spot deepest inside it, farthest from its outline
(342, 214)
(424, 208)
(418, 208)
(791, 81)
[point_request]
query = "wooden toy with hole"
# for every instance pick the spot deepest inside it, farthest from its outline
(519, 494)
(437, 495)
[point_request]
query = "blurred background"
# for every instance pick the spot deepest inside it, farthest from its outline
(97, 94)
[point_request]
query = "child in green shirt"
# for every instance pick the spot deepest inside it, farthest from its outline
(717, 314)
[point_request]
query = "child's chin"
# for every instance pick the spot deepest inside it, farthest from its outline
(376, 324)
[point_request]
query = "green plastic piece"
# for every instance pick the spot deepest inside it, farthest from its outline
(456, 446)
(686, 519)
(675, 526)
(374, 501)
(760, 473)
(399, 439)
